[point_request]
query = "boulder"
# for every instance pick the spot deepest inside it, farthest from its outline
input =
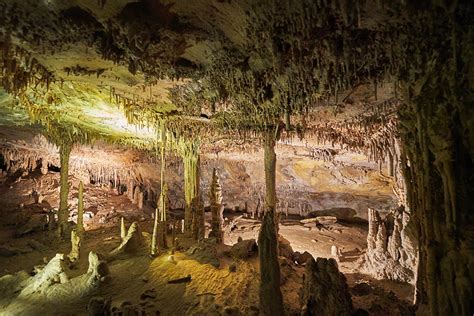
(284, 248)
(302, 258)
(244, 249)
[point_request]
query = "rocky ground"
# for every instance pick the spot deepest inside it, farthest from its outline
(224, 280)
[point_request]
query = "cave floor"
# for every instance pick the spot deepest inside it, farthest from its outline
(142, 280)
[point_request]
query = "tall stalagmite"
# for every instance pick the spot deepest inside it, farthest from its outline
(80, 209)
(63, 213)
(190, 154)
(271, 301)
(215, 198)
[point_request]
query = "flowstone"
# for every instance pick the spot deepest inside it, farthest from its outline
(41, 293)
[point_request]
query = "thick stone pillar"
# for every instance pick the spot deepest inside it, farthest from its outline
(271, 301)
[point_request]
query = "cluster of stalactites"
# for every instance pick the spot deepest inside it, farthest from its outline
(20, 69)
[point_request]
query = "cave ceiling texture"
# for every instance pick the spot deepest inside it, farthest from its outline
(238, 75)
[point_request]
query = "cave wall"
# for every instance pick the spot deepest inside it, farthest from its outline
(345, 186)
(437, 131)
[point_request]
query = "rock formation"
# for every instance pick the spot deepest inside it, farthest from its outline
(76, 240)
(80, 209)
(215, 198)
(244, 249)
(131, 243)
(391, 253)
(325, 291)
(271, 301)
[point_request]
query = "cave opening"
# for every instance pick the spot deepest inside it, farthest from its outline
(238, 157)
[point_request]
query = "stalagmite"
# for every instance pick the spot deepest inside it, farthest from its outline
(76, 241)
(198, 219)
(191, 182)
(131, 243)
(63, 212)
(325, 291)
(123, 230)
(163, 227)
(80, 210)
(215, 198)
(140, 200)
(271, 302)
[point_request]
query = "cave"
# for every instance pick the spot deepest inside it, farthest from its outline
(238, 157)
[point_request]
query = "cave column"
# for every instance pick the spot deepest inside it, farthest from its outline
(160, 222)
(271, 301)
(63, 213)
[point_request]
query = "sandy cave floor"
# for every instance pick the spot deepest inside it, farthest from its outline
(212, 291)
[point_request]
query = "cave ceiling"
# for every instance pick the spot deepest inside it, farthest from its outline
(212, 69)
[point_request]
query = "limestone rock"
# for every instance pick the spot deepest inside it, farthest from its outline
(53, 272)
(244, 249)
(325, 291)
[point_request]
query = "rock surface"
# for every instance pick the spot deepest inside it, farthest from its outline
(325, 291)
(244, 249)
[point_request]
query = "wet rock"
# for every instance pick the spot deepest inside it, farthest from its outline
(325, 291)
(244, 249)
